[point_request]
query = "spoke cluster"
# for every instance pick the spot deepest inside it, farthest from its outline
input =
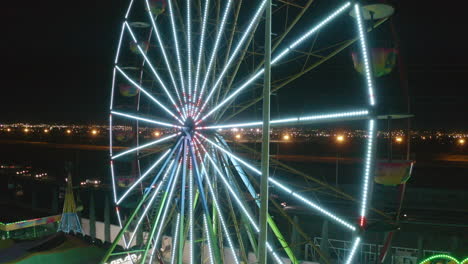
(185, 180)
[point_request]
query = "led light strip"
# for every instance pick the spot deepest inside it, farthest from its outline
(128, 10)
(163, 50)
(145, 119)
(113, 180)
(179, 63)
(200, 51)
(207, 234)
(283, 187)
(293, 120)
(144, 146)
(234, 54)
(191, 236)
(174, 240)
(155, 194)
(367, 171)
(218, 209)
(364, 53)
(238, 201)
(161, 82)
(148, 94)
(166, 209)
(112, 90)
(189, 54)
(353, 250)
(142, 177)
(215, 49)
(277, 58)
(120, 44)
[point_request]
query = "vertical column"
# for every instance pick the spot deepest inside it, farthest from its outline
(295, 238)
(107, 220)
(92, 216)
(324, 244)
(262, 257)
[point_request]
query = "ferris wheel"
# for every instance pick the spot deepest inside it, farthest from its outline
(184, 70)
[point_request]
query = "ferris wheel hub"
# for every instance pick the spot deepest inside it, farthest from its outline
(189, 126)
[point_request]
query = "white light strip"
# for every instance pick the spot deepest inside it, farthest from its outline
(215, 49)
(191, 236)
(200, 51)
(218, 209)
(143, 176)
(242, 87)
(179, 63)
(364, 53)
(189, 53)
(120, 44)
(367, 168)
(208, 239)
(148, 94)
(110, 135)
(143, 53)
(234, 54)
(145, 119)
(145, 145)
(284, 188)
(234, 194)
(166, 60)
(112, 90)
(120, 225)
(113, 181)
(238, 201)
(281, 55)
(148, 207)
(166, 209)
(294, 119)
(128, 10)
(175, 240)
(353, 250)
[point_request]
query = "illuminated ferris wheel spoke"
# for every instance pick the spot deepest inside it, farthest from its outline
(156, 163)
(145, 145)
(367, 170)
(277, 58)
(189, 54)
(152, 199)
(239, 202)
(175, 244)
(179, 62)
(168, 204)
(290, 192)
(208, 238)
(318, 118)
(214, 50)
(200, 51)
(148, 94)
(364, 53)
(353, 250)
(218, 209)
(166, 60)
(147, 120)
(155, 73)
(119, 45)
(233, 56)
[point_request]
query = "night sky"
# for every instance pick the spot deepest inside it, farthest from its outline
(57, 58)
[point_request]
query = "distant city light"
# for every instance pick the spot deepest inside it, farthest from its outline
(461, 141)
(157, 134)
(340, 138)
(46, 130)
(94, 132)
(26, 130)
(69, 131)
(399, 139)
(238, 136)
(8, 130)
(286, 137)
